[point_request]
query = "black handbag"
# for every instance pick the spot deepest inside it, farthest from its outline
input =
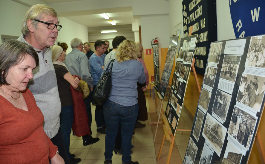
(103, 88)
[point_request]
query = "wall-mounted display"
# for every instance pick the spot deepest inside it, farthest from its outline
(200, 14)
(230, 103)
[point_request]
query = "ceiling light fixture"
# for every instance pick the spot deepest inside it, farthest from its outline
(112, 22)
(104, 15)
(108, 31)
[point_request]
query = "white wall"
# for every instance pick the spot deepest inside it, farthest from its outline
(11, 16)
(155, 26)
(175, 16)
(70, 31)
(225, 28)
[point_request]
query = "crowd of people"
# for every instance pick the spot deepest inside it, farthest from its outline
(37, 100)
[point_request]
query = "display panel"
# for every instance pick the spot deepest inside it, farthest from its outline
(230, 103)
(180, 79)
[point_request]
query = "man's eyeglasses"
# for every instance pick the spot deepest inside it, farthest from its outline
(50, 26)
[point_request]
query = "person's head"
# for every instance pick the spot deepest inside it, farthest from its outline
(58, 54)
(140, 49)
(107, 44)
(40, 26)
(17, 60)
(77, 43)
(100, 47)
(117, 41)
(127, 50)
(64, 46)
(86, 46)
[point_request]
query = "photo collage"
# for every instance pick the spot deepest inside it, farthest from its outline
(179, 82)
(230, 103)
(156, 65)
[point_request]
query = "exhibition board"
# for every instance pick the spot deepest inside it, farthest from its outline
(182, 69)
(156, 65)
(171, 53)
(230, 104)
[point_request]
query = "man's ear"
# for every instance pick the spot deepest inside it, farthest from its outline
(30, 25)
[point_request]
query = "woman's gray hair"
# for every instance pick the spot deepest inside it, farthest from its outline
(36, 12)
(76, 42)
(13, 52)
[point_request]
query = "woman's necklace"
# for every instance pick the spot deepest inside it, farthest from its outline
(10, 95)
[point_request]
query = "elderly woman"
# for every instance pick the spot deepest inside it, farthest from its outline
(22, 138)
(122, 107)
(64, 80)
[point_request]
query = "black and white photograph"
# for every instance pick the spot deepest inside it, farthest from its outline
(209, 76)
(181, 89)
(204, 99)
(206, 156)
(221, 105)
(174, 79)
(179, 68)
(174, 123)
(242, 126)
(215, 52)
(230, 67)
(188, 57)
(170, 115)
(232, 154)
(187, 73)
(251, 91)
(182, 72)
(174, 101)
(190, 152)
(198, 125)
(256, 52)
(177, 83)
(215, 133)
(182, 54)
(178, 109)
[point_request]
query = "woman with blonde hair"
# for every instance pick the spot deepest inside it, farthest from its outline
(122, 105)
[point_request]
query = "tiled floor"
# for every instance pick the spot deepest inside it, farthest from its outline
(145, 150)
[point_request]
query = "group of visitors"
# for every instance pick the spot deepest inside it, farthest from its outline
(37, 106)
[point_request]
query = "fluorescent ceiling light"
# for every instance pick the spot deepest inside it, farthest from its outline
(104, 15)
(108, 31)
(112, 22)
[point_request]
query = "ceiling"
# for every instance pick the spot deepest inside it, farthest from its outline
(123, 17)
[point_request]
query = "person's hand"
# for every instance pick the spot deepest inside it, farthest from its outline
(144, 88)
(57, 159)
(103, 67)
(76, 81)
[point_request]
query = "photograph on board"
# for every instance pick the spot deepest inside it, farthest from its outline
(198, 125)
(256, 52)
(221, 105)
(230, 67)
(242, 126)
(204, 99)
(215, 133)
(190, 152)
(251, 91)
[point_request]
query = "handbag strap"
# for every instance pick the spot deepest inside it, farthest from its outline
(109, 67)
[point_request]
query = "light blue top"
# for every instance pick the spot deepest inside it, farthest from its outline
(96, 63)
(77, 64)
(125, 76)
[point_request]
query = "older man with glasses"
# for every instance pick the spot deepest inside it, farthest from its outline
(40, 30)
